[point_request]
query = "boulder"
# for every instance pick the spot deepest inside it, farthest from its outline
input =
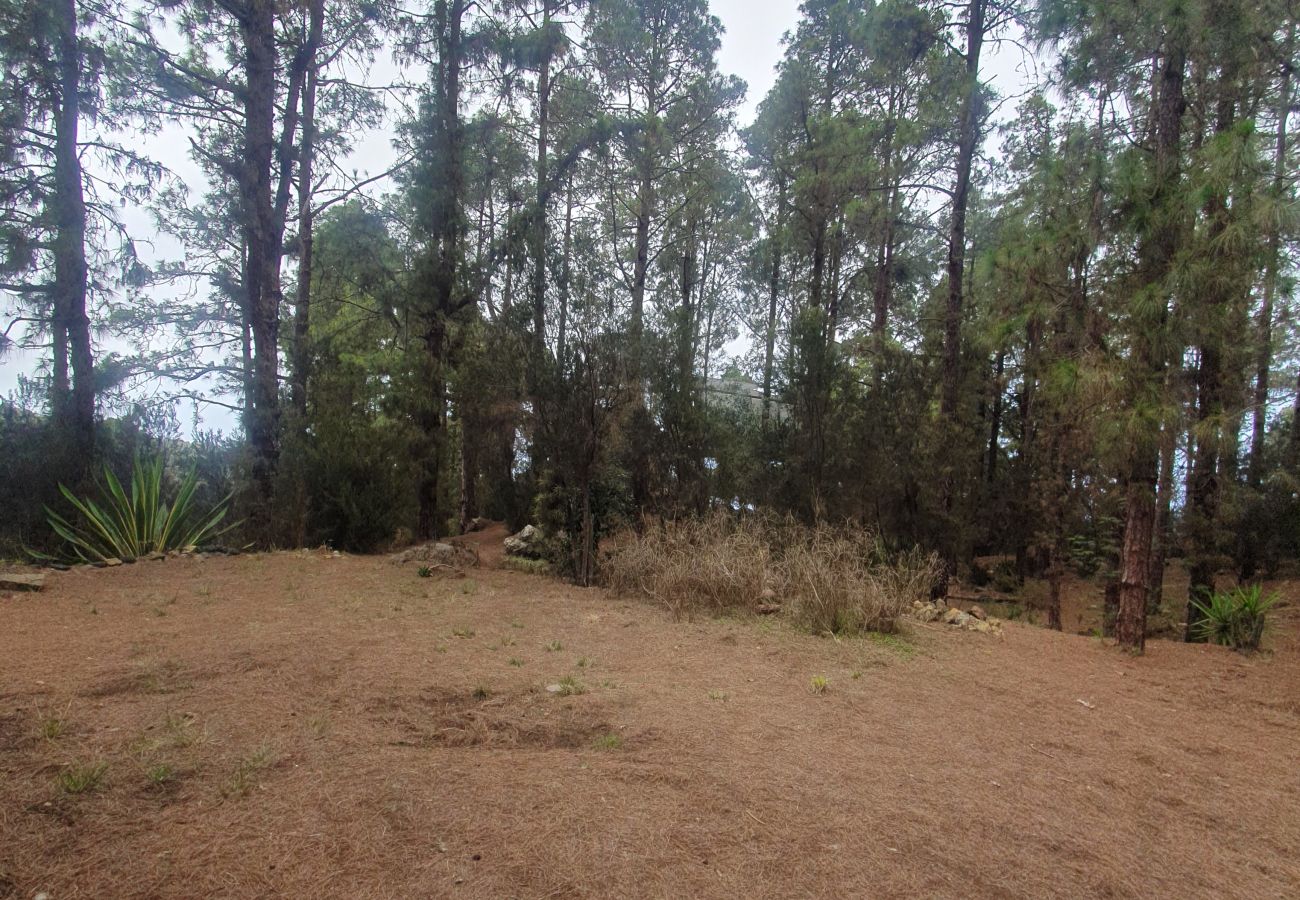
(956, 617)
(925, 612)
(436, 553)
(21, 581)
(478, 523)
(526, 543)
(978, 612)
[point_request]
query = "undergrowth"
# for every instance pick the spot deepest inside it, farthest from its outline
(1235, 618)
(828, 579)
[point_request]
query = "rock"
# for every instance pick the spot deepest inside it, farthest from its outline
(525, 543)
(767, 609)
(924, 612)
(978, 612)
(21, 581)
(768, 595)
(156, 556)
(112, 561)
(956, 617)
(436, 553)
(478, 523)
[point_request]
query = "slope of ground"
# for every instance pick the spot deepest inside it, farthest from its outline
(304, 725)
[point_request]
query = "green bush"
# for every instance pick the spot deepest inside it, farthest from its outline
(1006, 579)
(1235, 618)
(127, 526)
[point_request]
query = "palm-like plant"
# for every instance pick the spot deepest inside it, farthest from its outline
(1235, 618)
(128, 526)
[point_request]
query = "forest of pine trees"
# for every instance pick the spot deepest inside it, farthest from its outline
(1049, 319)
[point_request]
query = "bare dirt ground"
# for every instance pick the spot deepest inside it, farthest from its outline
(301, 725)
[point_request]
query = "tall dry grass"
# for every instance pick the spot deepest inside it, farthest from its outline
(708, 564)
(836, 579)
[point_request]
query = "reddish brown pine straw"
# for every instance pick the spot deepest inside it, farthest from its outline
(340, 727)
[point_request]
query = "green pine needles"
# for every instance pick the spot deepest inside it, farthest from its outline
(1235, 618)
(128, 526)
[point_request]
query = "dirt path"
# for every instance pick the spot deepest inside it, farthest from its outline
(304, 726)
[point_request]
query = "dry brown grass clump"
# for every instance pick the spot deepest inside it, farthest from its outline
(711, 564)
(827, 578)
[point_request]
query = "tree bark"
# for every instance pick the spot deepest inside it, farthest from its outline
(967, 141)
(565, 273)
(1215, 457)
(261, 274)
(1155, 257)
(70, 270)
(539, 231)
(306, 218)
(446, 231)
(773, 294)
(1264, 328)
(995, 417)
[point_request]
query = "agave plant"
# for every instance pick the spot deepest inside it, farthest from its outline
(128, 526)
(1235, 618)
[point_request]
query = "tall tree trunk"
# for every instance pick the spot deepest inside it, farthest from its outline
(995, 417)
(967, 142)
(446, 231)
(882, 292)
(1264, 328)
(642, 426)
(773, 294)
(1214, 460)
(539, 230)
(1164, 517)
(306, 218)
(468, 478)
(641, 262)
(70, 272)
(565, 272)
(261, 275)
(1156, 254)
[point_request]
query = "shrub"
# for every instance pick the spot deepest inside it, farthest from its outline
(1235, 618)
(1005, 578)
(712, 564)
(130, 526)
(829, 579)
(838, 580)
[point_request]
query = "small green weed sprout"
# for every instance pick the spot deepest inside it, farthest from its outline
(609, 741)
(159, 774)
(79, 778)
(571, 687)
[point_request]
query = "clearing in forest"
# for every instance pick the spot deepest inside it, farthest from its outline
(305, 725)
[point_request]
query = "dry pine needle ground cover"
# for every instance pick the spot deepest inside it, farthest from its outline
(301, 725)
